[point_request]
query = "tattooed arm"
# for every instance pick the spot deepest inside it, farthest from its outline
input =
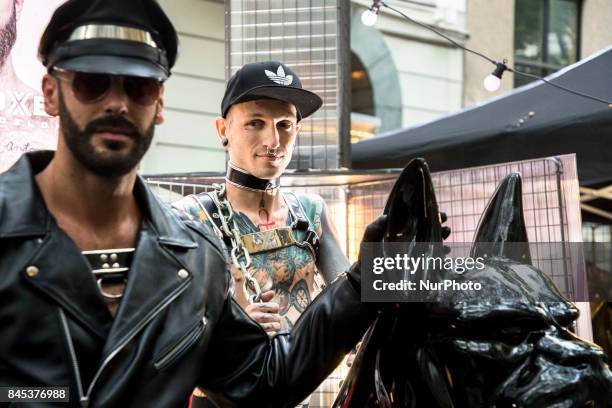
(331, 261)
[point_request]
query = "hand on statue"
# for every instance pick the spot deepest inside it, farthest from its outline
(266, 313)
(375, 231)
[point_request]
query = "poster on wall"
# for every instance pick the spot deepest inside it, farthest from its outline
(24, 125)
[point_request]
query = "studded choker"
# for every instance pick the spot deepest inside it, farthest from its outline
(110, 266)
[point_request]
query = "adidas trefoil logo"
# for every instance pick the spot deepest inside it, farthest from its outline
(280, 77)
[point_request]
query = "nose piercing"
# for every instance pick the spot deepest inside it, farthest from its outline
(271, 152)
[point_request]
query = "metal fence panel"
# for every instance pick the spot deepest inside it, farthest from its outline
(305, 35)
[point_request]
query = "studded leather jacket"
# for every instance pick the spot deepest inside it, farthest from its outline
(177, 326)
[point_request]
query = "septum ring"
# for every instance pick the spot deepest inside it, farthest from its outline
(271, 152)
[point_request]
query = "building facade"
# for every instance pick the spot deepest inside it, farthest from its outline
(535, 36)
(402, 74)
(187, 141)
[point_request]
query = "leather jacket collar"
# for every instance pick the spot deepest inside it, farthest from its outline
(163, 242)
(22, 210)
(24, 213)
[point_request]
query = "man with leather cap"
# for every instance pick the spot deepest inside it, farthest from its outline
(109, 292)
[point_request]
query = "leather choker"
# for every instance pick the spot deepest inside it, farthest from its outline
(241, 179)
(110, 266)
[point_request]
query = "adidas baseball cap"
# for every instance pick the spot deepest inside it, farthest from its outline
(269, 80)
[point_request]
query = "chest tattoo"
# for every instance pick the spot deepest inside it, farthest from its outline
(289, 271)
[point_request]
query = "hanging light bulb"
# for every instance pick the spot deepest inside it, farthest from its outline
(369, 16)
(493, 81)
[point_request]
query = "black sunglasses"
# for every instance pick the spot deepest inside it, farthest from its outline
(91, 88)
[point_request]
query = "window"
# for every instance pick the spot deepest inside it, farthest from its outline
(546, 36)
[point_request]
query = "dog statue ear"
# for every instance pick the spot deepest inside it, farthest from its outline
(412, 209)
(503, 222)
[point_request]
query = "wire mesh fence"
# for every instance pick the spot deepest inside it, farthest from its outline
(463, 195)
(303, 34)
(550, 206)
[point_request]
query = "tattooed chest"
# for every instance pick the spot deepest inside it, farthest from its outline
(290, 272)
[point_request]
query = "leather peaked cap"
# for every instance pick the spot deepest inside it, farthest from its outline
(119, 37)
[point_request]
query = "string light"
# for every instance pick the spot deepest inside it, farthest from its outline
(492, 81)
(369, 16)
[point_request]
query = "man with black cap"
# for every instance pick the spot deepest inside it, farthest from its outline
(109, 292)
(279, 240)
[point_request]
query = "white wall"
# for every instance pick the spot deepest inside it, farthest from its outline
(430, 69)
(491, 28)
(596, 22)
(187, 141)
(431, 79)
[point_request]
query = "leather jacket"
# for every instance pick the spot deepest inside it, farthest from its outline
(177, 326)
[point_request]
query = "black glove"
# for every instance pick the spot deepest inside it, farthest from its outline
(445, 231)
(374, 232)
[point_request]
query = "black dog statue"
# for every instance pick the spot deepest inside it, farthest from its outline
(508, 347)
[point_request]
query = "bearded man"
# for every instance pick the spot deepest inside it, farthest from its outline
(106, 291)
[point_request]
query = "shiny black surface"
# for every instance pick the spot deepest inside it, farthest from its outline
(510, 348)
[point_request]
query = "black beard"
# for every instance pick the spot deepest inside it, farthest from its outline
(79, 142)
(8, 35)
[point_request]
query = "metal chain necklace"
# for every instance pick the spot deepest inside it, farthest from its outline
(231, 230)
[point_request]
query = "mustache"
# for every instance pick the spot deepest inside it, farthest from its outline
(113, 124)
(275, 153)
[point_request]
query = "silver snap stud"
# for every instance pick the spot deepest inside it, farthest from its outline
(32, 271)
